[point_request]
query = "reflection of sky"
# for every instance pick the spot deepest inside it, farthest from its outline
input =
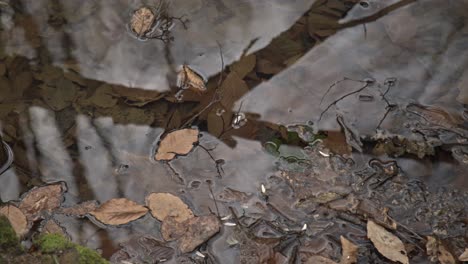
(106, 51)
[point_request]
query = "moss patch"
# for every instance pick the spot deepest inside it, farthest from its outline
(56, 243)
(8, 238)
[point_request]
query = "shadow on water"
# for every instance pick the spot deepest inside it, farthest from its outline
(292, 181)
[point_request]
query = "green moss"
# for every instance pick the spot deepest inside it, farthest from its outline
(51, 243)
(8, 236)
(55, 243)
(89, 256)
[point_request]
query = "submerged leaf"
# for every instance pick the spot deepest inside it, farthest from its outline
(17, 219)
(179, 142)
(45, 198)
(350, 250)
(163, 205)
(142, 21)
(386, 243)
(199, 230)
(119, 211)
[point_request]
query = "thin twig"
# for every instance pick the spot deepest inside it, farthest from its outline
(214, 199)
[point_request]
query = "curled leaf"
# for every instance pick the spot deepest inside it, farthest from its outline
(179, 142)
(386, 243)
(119, 211)
(189, 79)
(17, 219)
(163, 205)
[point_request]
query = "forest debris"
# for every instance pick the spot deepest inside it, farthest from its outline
(189, 79)
(171, 229)
(142, 21)
(232, 89)
(17, 219)
(199, 230)
(464, 255)
(350, 251)
(244, 65)
(142, 249)
(51, 227)
(386, 243)
(80, 209)
(40, 199)
(59, 96)
(319, 260)
(163, 205)
(179, 142)
(103, 97)
(436, 251)
(119, 211)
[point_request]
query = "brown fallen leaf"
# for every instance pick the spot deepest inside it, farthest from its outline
(386, 243)
(171, 229)
(142, 249)
(464, 255)
(445, 257)
(350, 250)
(17, 219)
(244, 65)
(51, 227)
(189, 79)
(436, 251)
(163, 205)
(179, 142)
(319, 260)
(142, 21)
(45, 198)
(119, 211)
(199, 230)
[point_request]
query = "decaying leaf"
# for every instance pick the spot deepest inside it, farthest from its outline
(142, 21)
(119, 211)
(199, 230)
(386, 243)
(79, 210)
(143, 249)
(163, 205)
(40, 199)
(232, 89)
(350, 251)
(17, 219)
(51, 227)
(464, 255)
(102, 97)
(244, 65)
(319, 260)
(179, 142)
(189, 79)
(171, 229)
(436, 251)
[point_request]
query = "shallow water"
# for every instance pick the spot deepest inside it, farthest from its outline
(373, 110)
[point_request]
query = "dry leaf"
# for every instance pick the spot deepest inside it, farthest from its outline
(142, 21)
(350, 250)
(45, 198)
(464, 255)
(119, 211)
(436, 251)
(199, 230)
(163, 205)
(189, 79)
(386, 243)
(17, 219)
(319, 260)
(179, 142)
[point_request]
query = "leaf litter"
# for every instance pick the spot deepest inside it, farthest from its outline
(163, 205)
(119, 211)
(389, 245)
(179, 142)
(42, 199)
(17, 219)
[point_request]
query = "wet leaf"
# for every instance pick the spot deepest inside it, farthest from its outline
(189, 79)
(119, 211)
(60, 96)
(51, 227)
(232, 89)
(386, 243)
(350, 251)
(135, 96)
(199, 230)
(244, 65)
(142, 21)
(17, 219)
(79, 210)
(163, 205)
(319, 260)
(179, 142)
(142, 250)
(103, 97)
(40, 199)
(171, 229)
(464, 255)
